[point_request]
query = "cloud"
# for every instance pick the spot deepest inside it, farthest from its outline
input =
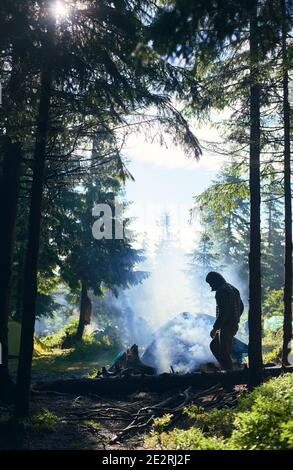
(138, 149)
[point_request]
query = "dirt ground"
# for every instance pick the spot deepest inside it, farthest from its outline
(84, 423)
(93, 422)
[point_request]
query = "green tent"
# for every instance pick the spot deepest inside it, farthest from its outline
(14, 331)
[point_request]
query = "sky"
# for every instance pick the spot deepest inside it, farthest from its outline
(166, 181)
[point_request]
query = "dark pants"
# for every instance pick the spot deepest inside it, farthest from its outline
(221, 347)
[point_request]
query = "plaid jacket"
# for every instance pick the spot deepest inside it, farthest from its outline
(229, 306)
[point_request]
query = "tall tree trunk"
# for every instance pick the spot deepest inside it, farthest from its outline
(85, 301)
(287, 327)
(32, 251)
(14, 101)
(8, 202)
(254, 315)
(84, 313)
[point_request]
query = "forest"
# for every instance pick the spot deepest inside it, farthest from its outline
(105, 323)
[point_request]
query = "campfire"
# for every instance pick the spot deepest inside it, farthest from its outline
(180, 346)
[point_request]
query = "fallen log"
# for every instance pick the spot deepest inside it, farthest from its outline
(159, 383)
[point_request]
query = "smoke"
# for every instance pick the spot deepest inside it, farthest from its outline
(169, 288)
(116, 311)
(183, 342)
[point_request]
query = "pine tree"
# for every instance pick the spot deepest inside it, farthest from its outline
(224, 210)
(254, 313)
(90, 80)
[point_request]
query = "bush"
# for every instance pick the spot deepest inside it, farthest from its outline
(273, 356)
(216, 422)
(273, 303)
(264, 417)
(55, 340)
(87, 349)
(263, 420)
(192, 438)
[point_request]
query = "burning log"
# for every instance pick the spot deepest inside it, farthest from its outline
(128, 363)
(115, 385)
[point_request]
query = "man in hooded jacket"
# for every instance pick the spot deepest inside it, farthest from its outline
(229, 309)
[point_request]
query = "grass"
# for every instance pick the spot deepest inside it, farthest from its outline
(44, 420)
(84, 359)
(58, 363)
(90, 423)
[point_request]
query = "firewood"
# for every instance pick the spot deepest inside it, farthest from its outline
(159, 383)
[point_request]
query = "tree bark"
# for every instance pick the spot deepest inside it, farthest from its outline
(8, 201)
(32, 251)
(287, 326)
(254, 314)
(19, 286)
(270, 228)
(84, 313)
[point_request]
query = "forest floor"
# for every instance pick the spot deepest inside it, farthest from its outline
(63, 421)
(76, 423)
(94, 423)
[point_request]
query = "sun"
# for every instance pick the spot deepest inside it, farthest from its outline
(60, 9)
